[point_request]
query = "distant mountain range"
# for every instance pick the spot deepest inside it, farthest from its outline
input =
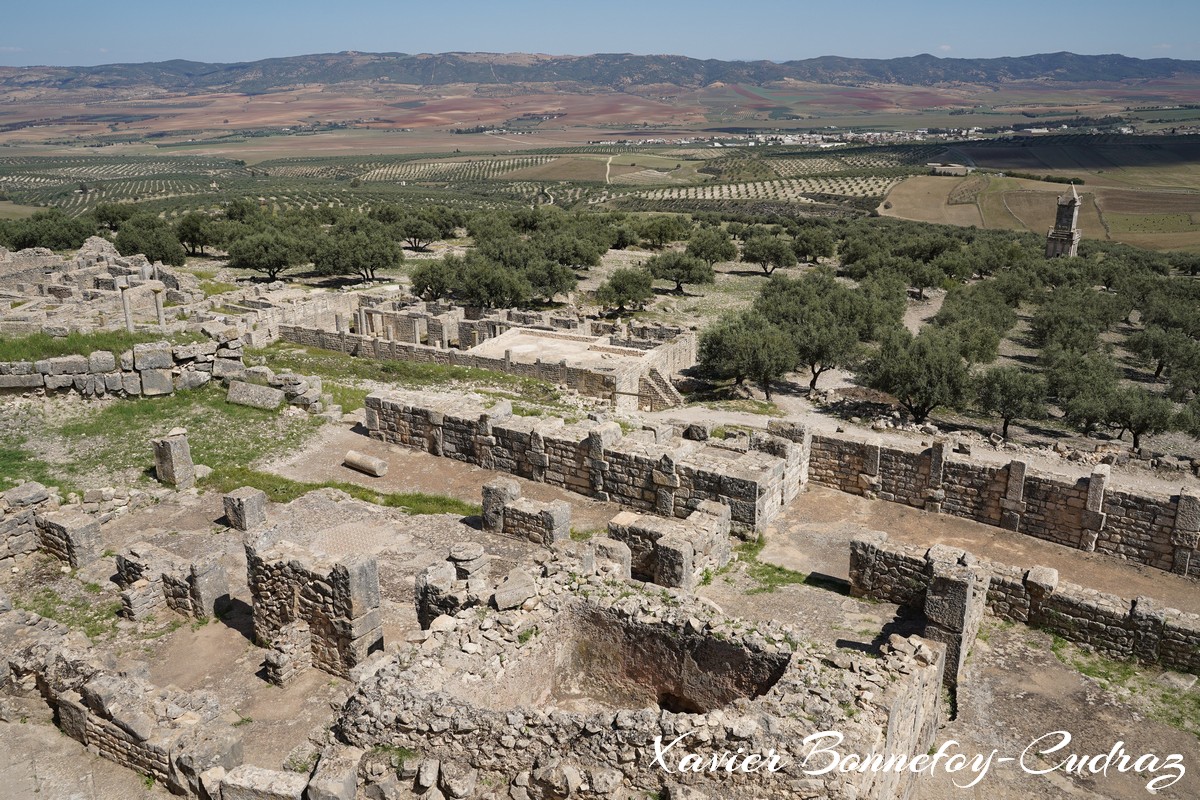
(616, 71)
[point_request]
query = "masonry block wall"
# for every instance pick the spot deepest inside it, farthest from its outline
(675, 552)
(338, 600)
(1116, 626)
(171, 735)
(654, 470)
(148, 369)
(1089, 514)
(153, 580)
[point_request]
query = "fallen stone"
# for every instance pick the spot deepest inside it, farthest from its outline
(368, 465)
(515, 590)
(246, 508)
(254, 783)
(250, 394)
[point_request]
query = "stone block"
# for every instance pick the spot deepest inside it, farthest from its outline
(245, 508)
(614, 551)
(1016, 481)
(673, 566)
(1092, 520)
(336, 775)
(362, 585)
(1097, 485)
(1187, 517)
(156, 355)
(131, 383)
(556, 520)
(33, 381)
(368, 465)
(72, 536)
(173, 461)
(250, 394)
(1041, 582)
(209, 588)
(228, 368)
(192, 379)
(157, 382)
(101, 361)
(26, 494)
(247, 782)
(498, 493)
(516, 588)
(68, 365)
(59, 381)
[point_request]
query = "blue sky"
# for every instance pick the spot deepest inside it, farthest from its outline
(68, 32)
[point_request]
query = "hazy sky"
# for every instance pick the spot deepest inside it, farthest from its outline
(67, 32)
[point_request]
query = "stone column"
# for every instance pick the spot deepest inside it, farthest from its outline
(1012, 505)
(498, 493)
(934, 493)
(173, 461)
(1093, 518)
(868, 479)
(1185, 538)
(125, 307)
(954, 606)
(159, 310)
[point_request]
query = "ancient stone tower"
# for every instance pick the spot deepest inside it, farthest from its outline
(1063, 238)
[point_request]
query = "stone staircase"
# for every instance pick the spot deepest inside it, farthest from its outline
(655, 392)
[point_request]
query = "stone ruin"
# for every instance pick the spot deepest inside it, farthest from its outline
(654, 470)
(323, 612)
(627, 366)
(97, 288)
(488, 698)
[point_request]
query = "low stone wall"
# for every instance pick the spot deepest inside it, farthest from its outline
(338, 600)
(148, 369)
(672, 552)
(173, 736)
(506, 512)
(653, 470)
(31, 519)
(153, 580)
(1118, 627)
(1089, 514)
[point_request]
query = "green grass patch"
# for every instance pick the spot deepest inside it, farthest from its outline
(746, 406)
(221, 435)
(41, 345)
(769, 577)
(94, 619)
(284, 490)
(350, 398)
(19, 463)
(1179, 708)
(212, 288)
(339, 367)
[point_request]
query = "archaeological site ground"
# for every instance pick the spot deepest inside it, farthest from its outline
(600, 429)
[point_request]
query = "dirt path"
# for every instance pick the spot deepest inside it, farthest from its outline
(607, 169)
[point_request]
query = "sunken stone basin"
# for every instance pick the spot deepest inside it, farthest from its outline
(568, 697)
(592, 659)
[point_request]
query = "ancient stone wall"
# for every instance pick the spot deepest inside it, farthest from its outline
(1088, 514)
(675, 552)
(649, 470)
(339, 600)
(170, 735)
(153, 580)
(148, 369)
(1116, 626)
(468, 694)
(506, 512)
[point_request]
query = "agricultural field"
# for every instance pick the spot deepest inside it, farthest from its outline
(792, 190)
(1158, 219)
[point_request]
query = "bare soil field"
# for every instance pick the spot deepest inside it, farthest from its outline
(1157, 219)
(930, 194)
